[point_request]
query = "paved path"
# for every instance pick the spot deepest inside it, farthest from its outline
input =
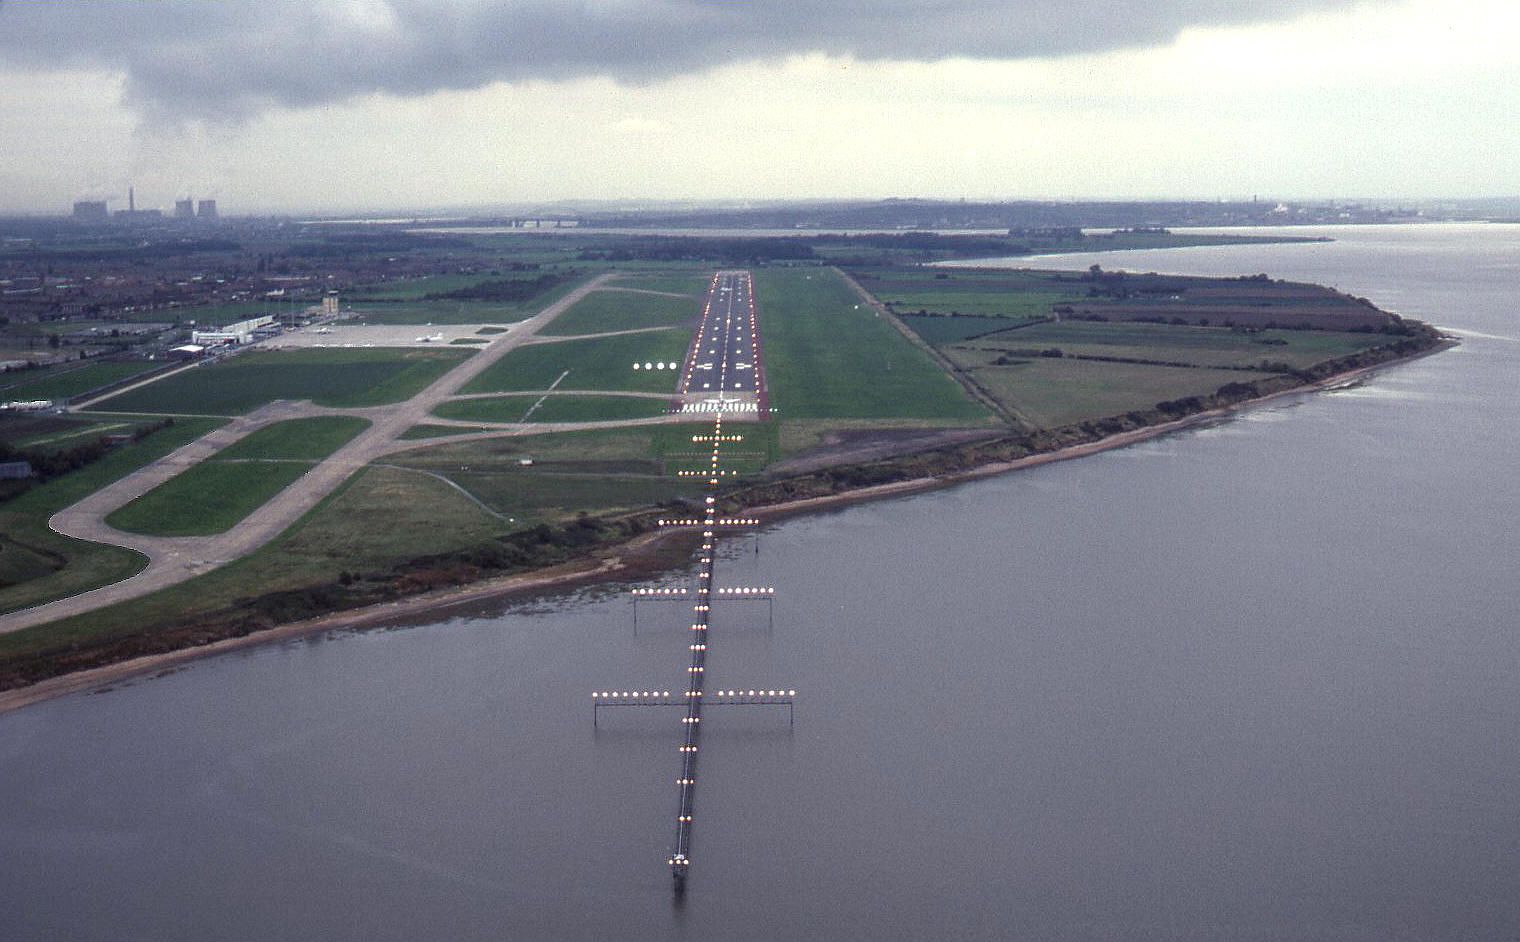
(615, 393)
(172, 560)
(563, 338)
(663, 294)
(84, 406)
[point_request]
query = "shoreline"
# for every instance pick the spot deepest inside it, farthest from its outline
(637, 557)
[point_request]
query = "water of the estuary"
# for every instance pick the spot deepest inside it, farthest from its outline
(1259, 680)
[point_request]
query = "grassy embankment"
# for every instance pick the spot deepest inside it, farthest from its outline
(330, 377)
(214, 495)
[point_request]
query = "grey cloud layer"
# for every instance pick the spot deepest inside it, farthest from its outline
(229, 57)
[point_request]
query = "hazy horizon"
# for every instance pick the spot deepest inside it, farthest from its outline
(403, 106)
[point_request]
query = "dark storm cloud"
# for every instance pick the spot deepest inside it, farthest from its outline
(206, 58)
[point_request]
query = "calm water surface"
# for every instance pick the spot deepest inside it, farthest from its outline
(1255, 681)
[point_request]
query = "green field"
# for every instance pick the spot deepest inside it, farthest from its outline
(213, 496)
(608, 310)
(415, 289)
(208, 498)
(295, 440)
(407, 302)
(939, 329)
(1200, 346)
(1024, 304)
(604, 363)
(572, 472)
(74, 566)
(65, 381)
(694, 285)
(428, 430)
(58, 328)
(50, 431)
(554, 408)
(1052, 392)
(987, 293)
(645, 450)
(827, 354)
(331, 377)
(528, 497)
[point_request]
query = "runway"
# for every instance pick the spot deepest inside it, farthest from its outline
(723, 370)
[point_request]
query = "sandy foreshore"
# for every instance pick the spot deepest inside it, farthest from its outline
(634, 559)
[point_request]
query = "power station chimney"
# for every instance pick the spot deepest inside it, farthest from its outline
(131, 200)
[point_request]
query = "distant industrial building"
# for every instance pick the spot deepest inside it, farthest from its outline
(330, 303)
(91, 211)
(96, 210)
(133, 214)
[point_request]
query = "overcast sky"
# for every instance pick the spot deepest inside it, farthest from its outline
(372, 105)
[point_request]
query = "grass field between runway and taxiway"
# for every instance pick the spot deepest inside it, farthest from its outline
(602, 363)
(828, 355)
(330, 377)
(552, 408)
(609, 310)
(691, 284)
(214, 495)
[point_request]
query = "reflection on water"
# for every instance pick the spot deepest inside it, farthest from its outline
(1251, 681)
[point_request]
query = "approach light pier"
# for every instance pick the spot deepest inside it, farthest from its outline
(721, 375)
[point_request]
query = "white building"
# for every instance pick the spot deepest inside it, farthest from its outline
(240, 332)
